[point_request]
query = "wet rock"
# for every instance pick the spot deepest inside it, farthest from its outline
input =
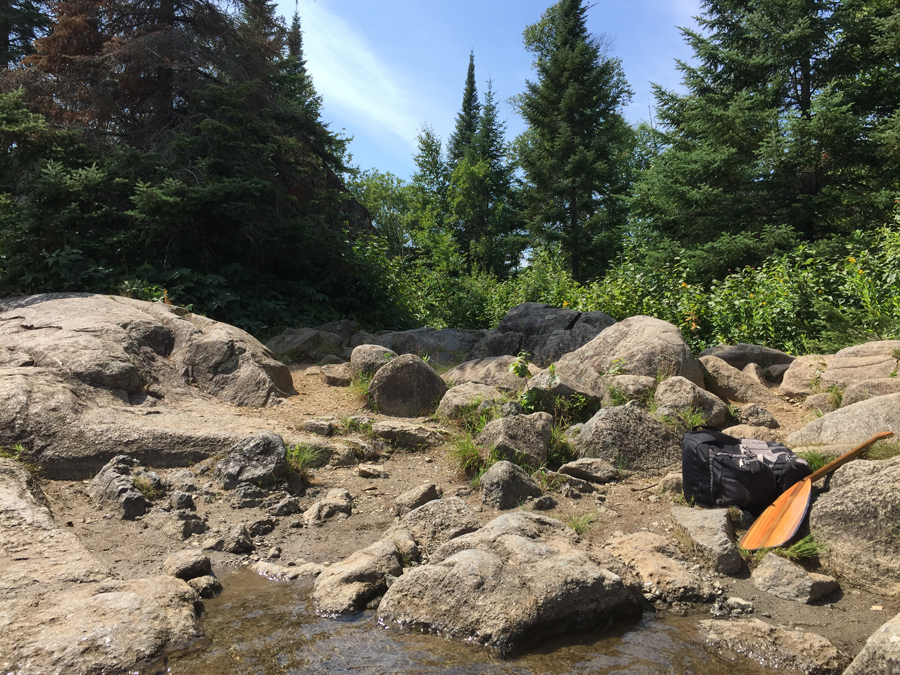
(238, 540)
(506, 486)
(862, 391)
(246, 496)
(416, 497)
(187, 564)
(464, 397)
(851, 425)
(730, 384)
(785, 579)
(775, 648)
(493, 372)
(259, 459)
(535, 318)
(182, 500)
(404, 434)
(523, 439)
(519, 579)
(756, 416)
(337, 502)
(206, 586)
(337, 374)
(881, 654)
(282, 573)
(368, 359)
(628, 436)
(406, 387)
(804, 377)
(711, 534)
(741, 355)
(114, 488)
(348, 585)
(855, 522)
(654, 560)
(683, 395)
(421, 531)
(590, 469)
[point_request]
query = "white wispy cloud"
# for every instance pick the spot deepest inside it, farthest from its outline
(351, 77)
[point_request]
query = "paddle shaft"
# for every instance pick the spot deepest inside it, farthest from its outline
(843, 459)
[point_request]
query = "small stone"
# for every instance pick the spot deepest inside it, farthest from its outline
(370, 470)
(182, 500)
(187, 564)
(206, 586)
(274, 552)
(322, 427)
(544, 503)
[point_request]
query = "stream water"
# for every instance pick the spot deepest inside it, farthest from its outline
(262, 627)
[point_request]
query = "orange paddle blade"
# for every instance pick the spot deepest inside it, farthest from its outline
(780, 521)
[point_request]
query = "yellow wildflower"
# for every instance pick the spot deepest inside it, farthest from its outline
(860, 271)
(851, 259)
(565, 303)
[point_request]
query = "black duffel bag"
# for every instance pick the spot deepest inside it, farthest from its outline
(721, 470)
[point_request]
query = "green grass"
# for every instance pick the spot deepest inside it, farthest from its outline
(19, 454)
(300, 460)
(806, 548)
(581, 524)
(816, 460)
(883, 450)
(352, 426)
(146, 488)
(560, 451)
(359, 387)
(467, 457)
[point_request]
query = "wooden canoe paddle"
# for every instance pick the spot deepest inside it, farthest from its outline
(780, 521)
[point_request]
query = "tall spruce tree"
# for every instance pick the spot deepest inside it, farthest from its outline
(467, 118)
(574, 152)
(21, 23)
(782, 131)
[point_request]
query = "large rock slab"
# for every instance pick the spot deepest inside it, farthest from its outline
(523, 439)
(405, 387)
(535, 318)
(405, 434)
(260, 459)
(366, 360)
(431, 341)
(60, 609)
(519, 580)
(785, 579)
(881, 653)
(424, 529)
(853, 424)
(682, 395)
(862, 391)
(550, 347)
(869, 361)
(590, 469)
(306, 343)
(493, 371)
(731, 385)
(628, 437)
(347, 586)
(464, 398)
(711, 533)
(496, 343)
(856, 522)
(775, 648)
(654, 560)
(804, 377)
(741, 355)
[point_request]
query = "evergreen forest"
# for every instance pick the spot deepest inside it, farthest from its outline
(176, 149)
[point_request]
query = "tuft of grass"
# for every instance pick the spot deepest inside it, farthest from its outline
(681, 500)
(617, 396)
(621, 463)
(581, 524)
(146, 488)
(359, 387)
(19, 454)
(835, 396)
(803, 549)
(560, 451)
(350, 426)
(548, 483)
(468, 458)
(815, 459)
(301, 458)
(883, 450)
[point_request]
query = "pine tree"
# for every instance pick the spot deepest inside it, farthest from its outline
(782, 130)
(574, 152)
(21, 23)
(466, 119)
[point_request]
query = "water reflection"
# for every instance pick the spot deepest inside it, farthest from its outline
(262, 627)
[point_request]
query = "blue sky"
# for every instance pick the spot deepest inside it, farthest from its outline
(386, 67)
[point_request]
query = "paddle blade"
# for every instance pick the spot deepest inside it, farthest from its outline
(780, 521)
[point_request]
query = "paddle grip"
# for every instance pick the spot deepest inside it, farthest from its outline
(843, 459)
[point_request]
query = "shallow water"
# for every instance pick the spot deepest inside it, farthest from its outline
(262, 627)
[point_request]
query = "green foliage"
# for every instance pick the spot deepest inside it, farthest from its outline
(469, 460)
(519, 366)
(146, 488)
(301, 458)
(816, 460)
(581, 524)
(359, 387)
(804, 549)
(883, 450)
(20, 454)
(560, 451)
